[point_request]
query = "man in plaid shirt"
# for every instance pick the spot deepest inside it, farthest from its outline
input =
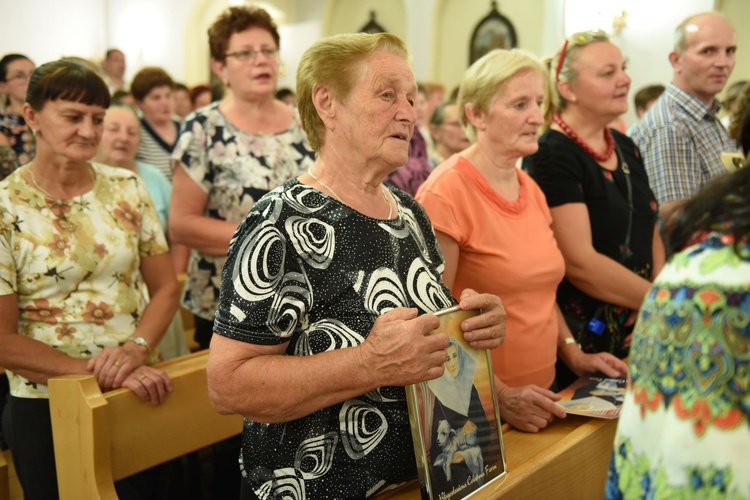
(680, 136)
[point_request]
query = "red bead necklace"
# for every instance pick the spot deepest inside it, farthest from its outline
(607, 137)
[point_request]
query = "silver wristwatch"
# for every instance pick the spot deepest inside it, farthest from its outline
(140, 341)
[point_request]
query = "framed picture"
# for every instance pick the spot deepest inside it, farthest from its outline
(455, 420)
(495, 31)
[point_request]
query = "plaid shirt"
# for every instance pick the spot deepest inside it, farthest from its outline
(681, 141)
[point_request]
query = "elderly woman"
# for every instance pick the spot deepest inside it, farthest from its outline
(488, 215)
(603, 211)
(16, 139)
(77, 240)
(152, 90)
(322, 315)
(684, 429)
(231, 153)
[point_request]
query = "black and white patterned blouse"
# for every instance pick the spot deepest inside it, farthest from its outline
(308, 270)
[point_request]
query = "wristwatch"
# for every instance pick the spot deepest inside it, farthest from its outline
(140, 341)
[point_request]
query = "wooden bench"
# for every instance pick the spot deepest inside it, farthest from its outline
(101, 438)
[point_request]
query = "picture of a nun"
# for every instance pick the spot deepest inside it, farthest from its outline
(461, 433)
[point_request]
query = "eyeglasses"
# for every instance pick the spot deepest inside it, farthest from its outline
(579, 39)
(19, 77)
(251, 55)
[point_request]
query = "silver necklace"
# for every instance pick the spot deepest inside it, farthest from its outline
(40, 188)
(382, 191)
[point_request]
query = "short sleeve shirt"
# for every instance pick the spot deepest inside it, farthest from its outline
(235, 169)
(75, 265)
(306, 270)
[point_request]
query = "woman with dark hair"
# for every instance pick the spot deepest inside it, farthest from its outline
(603, 210)
(231, 153)
(684, 428)
(78, 241)
(152, 89)
(16, 139)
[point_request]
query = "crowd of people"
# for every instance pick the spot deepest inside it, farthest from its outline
(319, 229)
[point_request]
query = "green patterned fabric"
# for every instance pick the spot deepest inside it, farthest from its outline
(684, 430)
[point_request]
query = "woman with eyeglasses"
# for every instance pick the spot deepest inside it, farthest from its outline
(16, 139)
(604, 213)
(231, 153)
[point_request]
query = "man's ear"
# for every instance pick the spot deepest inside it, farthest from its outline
(674, 60)
(325, 104)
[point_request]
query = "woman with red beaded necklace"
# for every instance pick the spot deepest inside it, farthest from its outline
(604, 213)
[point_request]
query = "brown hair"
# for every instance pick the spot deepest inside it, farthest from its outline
(236, 20)
(67, 79)
(147, 80)
(332, 61)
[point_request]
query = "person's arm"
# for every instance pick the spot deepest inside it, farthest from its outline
(593, 273)
(28, 357)
(580, 362)
(450, 249)
(188, 223)
(264, 384)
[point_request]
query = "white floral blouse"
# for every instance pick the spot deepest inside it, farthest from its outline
(75, 265)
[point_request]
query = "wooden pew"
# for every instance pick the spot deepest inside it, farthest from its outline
(101, 438)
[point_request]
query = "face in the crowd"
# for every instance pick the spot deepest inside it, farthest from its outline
(451, 362)
(157, 105)
(376, 120)
(17, 80)
(250, 76)
(67, 129)
(181, 104)
(515, 116)
(709, 57)
(114, 65)
(120, 138)
(202, 99)
(601, 84)
(422, 108)
(450, 136)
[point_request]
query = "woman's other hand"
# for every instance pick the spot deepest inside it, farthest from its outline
(604, 363)
(150, 384)
(114, 364)
(487, 330)
(529, 408)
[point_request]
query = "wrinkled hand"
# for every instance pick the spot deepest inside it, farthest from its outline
(114, 364)
(150, 384)
(399, 350)
(605, 363)
(487, 330)
(529, 408)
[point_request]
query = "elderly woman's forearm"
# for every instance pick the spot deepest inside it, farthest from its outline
(207, 235)
(282, 388)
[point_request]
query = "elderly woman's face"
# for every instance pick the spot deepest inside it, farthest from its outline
(601, 85)
(68, 129)
(515, 116)
(120, 138)
(251, 66)
(451, 362)
(377, 119)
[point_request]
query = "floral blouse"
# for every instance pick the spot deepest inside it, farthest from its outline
(235, 169)
(75, 264)
(22, 142)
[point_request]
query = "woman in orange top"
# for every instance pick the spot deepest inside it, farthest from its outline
(493, 226)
